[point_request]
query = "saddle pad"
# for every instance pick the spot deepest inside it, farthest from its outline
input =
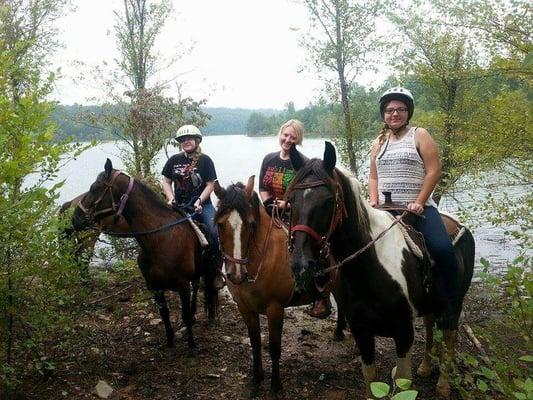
(454, 228)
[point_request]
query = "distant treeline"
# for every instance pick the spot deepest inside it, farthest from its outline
(78, 121)
(81, 122)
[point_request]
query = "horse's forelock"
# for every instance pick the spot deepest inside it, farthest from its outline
(235, 199)
(314, 166)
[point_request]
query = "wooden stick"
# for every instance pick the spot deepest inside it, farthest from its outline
(470, 334)
(109, 296)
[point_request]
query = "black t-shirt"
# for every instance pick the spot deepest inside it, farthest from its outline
(189, 182)
(276, 175)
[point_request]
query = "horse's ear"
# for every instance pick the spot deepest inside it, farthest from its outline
(330, 158)
(250, 187)
(219, 190)
(296, 158)
(108, 167)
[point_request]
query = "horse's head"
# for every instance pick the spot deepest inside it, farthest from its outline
(99, 202)
(316, 209)
(236, 219)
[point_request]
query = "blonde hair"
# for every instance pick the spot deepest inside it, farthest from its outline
(298, 127)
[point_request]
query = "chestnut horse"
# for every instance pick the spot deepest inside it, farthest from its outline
(257, 267)
(381, 280)
(170, 254)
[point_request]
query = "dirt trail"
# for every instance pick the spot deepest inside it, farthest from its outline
(121, 341)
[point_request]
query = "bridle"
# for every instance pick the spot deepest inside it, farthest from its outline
(245, 261)
(322, 241)
(116, 209)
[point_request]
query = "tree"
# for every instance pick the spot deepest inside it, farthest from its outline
(34, 273)
(148, 118)
(342, 41)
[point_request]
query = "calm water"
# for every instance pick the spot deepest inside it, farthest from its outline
(237, 157)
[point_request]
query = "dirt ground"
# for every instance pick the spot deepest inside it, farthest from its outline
(120, 340)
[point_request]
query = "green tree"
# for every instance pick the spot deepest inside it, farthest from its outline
(140, 113)
(35, 303)
(340, 41)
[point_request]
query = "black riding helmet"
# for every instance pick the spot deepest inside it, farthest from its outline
(400, 94)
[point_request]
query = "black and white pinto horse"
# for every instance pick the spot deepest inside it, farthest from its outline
(382, 289)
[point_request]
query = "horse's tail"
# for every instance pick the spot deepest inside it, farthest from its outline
(467, 248)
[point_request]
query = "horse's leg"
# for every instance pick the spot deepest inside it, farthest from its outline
(424, 369)
(443, 385)
(404, 345)
(195, 287)
(275, 314)
(251, 319)
(341, 319)
(161, 302)
(366, 343)
(186, 312)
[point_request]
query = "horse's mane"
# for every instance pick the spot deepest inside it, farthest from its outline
(351, 188)
(235, 199)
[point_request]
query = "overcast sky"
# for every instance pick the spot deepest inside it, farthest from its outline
(246, 54)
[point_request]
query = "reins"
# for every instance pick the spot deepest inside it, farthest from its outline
(118, 209)
(364, 248)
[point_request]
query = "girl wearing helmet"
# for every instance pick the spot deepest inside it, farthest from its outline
(188, 180)
(405, 162)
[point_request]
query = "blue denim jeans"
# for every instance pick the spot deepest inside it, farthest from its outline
(446, 269)
(207, 217)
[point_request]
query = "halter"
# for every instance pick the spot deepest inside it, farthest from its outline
(245, 261)
(340, 211)
(91, 213)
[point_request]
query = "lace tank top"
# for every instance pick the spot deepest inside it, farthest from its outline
(401, 170)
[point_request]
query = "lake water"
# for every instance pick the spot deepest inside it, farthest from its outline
(236, 157)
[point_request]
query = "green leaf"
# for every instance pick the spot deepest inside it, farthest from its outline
(482, 385)
(403, 384)
(528, 358)
(407, 395)
(519, 396)
(379, 389)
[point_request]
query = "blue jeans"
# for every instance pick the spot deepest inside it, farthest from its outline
(446, 269)
(207, 217)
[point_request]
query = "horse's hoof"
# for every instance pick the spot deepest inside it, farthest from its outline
(443, 390)
(424, 370)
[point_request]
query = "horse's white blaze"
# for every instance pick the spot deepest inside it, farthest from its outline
(235, 222)
(389, 248)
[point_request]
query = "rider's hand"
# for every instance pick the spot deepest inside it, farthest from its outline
(198, 206)
(171, 202)
(417, 208)
(283, 204)
(373, 204)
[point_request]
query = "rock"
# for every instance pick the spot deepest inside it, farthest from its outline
(155, 321)
(226, 338)
(103, 390)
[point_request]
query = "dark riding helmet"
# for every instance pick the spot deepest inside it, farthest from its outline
(400, 94)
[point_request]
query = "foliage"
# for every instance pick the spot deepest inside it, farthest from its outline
(336, 45)
(400, 389)
(36, 278)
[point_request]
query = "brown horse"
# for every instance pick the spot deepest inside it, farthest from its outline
(257, 267)
(170, 254)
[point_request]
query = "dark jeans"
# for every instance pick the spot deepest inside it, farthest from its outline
(207, 217)
(446, 273)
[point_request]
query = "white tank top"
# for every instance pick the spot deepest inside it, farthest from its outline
(401, 170)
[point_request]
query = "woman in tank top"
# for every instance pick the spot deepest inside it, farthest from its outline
(405, 162)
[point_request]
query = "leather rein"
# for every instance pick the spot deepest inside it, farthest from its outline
(117, 209)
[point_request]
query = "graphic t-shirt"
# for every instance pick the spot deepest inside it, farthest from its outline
(189, 182)
(275, 175)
